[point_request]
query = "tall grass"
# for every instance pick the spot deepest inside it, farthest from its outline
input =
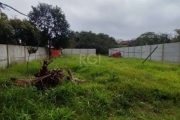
(115, 89)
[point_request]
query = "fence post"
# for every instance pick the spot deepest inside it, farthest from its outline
(25, 53)
(35, 56)
(79, 51)
(8, 57)
(71, 51)
(134, 51)
(162, 57)
(150, 51)
(109, 52)
(128, 52)
(123, 51)
(179, 52)
(141, 51)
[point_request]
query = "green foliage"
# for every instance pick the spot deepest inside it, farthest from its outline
(32, 50)
(177, 36)
(31, 35)
(101, 42)
(14, 29)
(115, 89)
(151, 38)
(25, 31)
(18, 28)
(3, 16)
(6, 30)
(52, 22)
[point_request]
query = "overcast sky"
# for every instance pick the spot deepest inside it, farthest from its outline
(121, 19)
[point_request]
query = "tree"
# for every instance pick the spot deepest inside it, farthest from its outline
(31, 35)
(5, 30)
(101, 42)
(14, 29)
(164, 38)
(177, 36)
(3, 16)
(52, 23)
(18, 29)
(71, 39)
(151, 38)
(24, 31)
(147, 38)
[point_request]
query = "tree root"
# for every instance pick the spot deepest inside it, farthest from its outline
(45, 78)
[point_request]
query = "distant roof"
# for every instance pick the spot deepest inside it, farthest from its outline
(133, 39)
(124, 42)
(119, 40)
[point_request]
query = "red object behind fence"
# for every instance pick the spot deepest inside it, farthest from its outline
(117, 54)
(55, 53)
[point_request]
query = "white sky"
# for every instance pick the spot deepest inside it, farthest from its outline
(121, 19)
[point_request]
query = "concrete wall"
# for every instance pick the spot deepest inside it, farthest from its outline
(78, 51)
(126, 52)
(3, 56)
(15, 53)
(131, 52)
(172, 52)
(165, 52)
(121, 50)
(137, 51)
(146, 50)
(157, 55)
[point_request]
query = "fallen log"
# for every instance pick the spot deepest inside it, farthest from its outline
(23, 82)
(45, 78)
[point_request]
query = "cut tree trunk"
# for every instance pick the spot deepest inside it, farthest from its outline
(45, 78)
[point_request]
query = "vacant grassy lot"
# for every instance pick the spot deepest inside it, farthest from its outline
(115, 89)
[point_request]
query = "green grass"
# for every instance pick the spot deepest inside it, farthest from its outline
(116, 88)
